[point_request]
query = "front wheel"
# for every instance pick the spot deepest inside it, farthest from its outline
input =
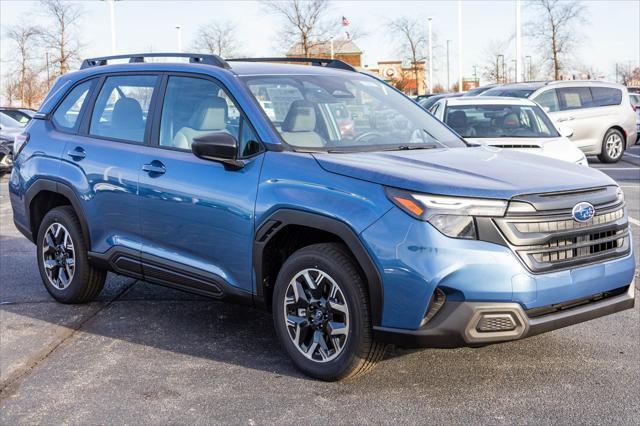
(321, 313)
(613, 146)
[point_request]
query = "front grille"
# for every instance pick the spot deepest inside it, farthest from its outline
(547, 242)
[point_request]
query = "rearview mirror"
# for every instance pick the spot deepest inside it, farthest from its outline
(567, 132)
(219, 146)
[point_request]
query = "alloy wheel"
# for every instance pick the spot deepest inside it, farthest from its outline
(613, 145)
(58, 256)
(316, 315)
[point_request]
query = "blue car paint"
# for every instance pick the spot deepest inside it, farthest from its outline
(416, 258)
(204, 215)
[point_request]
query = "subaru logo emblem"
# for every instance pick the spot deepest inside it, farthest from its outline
(583, 211)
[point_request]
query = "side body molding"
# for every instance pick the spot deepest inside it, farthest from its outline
(284, 217)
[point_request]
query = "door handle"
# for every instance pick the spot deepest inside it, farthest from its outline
(154, 168)
(77, 153)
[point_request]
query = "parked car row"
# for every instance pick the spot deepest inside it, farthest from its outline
(604, 117)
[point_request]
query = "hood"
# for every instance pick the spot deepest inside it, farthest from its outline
(556, 147)
(470, 172)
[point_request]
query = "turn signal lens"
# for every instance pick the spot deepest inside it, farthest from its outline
(409, 205)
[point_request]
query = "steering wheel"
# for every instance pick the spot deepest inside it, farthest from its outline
(367, 135)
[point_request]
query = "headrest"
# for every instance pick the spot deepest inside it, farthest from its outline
(457, 119)
(211, 114)
(510, 121)
(127, 113)
(300, 118)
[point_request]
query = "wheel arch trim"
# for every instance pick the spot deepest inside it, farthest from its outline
(270, 226)
(44, 184)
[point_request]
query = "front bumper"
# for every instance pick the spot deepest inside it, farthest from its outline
(458, 323)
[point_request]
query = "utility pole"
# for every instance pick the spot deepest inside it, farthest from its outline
(179, 35)
(519, 69)
(448, 80)
(112, 18)
(332, 51)
(475, 75)
(504, 72)
(430, 59)
(460, 87)
(528, 60)
(498, 67)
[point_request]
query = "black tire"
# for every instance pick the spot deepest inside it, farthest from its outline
(359, 352)
(605, 156)
(86, 281)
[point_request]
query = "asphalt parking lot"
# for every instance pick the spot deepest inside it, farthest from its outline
(146, 354)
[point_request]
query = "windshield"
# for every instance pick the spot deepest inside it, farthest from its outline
(346, 113)
(499, 121)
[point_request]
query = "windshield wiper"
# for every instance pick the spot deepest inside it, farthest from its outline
(411, 147)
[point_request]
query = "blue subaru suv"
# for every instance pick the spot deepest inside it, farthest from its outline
(319, 193)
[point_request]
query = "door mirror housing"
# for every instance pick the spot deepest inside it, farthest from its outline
(219, 146)
(567, 132)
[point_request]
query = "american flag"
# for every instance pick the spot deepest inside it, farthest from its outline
(345, 22)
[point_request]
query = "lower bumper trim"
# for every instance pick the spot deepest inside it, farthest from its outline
(456, 325)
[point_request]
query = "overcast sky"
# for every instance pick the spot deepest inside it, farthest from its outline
(612, 34)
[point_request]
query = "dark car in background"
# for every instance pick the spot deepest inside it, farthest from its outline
(21, 115)
(430, 101)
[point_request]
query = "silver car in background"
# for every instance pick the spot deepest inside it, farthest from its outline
(508, 123)
(600, 113)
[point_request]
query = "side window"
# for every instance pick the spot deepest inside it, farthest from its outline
(68, 112)
(574, 98)
(122, 107)
(434, 109)
(606, 96)
(193, 107)
(548, 100)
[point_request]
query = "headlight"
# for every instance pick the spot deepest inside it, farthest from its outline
(453, 216)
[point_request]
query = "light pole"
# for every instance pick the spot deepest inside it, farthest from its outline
(528, 59)
(448, 81)
(460, 87)
(498, 58)
(430, 59)
(112, 23)
(519, 69)
(179, 35)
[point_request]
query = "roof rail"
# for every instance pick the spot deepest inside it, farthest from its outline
(323, 62)
(194, 58)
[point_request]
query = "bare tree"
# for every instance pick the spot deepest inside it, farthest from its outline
(61, 37)
(217, 38)
(303, 22)
(556, 30)
(413, 41)
(25, 86)
(496, 56)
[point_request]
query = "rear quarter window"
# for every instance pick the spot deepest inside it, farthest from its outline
(66, 115)
(606, 96)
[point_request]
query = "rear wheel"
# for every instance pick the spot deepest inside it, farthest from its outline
(321, 313)
(62, 259)
(613, 146)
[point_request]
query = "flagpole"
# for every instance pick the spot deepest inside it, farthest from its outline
(332, 47)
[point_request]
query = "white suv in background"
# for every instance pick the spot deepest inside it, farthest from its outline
(508, 123)
(600, 114)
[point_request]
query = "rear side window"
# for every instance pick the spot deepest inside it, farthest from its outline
(67, 114)
(122, 107)
(548, 100)
(606, 96)
(574, 98)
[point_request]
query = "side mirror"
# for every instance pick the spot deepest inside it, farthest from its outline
(218, 146)
(546, 109)
(567, 132)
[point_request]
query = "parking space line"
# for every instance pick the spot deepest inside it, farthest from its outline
(604, 169)
(632, 155)
(636, 222)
